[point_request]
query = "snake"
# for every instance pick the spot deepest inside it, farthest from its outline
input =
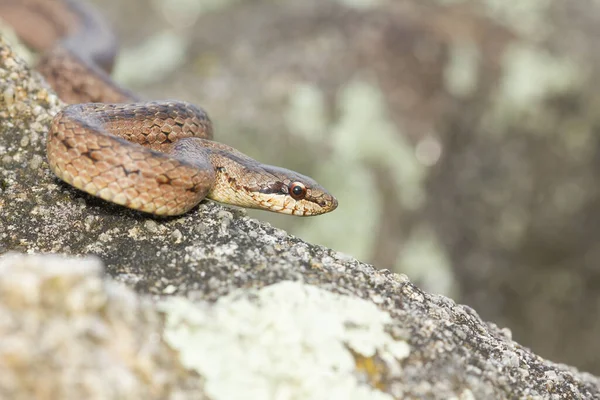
(157, 157)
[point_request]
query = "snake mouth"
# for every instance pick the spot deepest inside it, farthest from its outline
(278, 203)
(324, 204)
(284, 204)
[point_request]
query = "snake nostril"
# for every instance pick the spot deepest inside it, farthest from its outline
(333, 203)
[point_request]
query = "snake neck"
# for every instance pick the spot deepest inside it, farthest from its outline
(242, 181)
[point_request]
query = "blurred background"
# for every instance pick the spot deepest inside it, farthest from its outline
(460, 137)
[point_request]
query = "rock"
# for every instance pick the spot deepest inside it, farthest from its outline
(250, 309)
(67, 333)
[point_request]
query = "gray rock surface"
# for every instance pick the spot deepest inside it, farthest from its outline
(252, 310)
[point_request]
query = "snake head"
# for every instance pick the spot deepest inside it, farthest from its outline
(289, 192)
(247, 183)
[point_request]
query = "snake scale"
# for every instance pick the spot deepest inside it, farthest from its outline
(155, 157)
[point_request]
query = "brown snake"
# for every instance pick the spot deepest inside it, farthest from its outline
(155, 157)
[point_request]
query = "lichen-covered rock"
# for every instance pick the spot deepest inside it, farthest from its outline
(66, 333)
(289, 340)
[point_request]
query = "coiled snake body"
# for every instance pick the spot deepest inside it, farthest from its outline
(155, 157)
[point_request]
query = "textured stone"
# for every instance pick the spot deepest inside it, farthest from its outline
(67, 333)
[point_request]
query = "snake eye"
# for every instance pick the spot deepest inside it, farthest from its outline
(297, 190)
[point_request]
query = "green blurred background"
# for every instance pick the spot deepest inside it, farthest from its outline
(460, 137)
